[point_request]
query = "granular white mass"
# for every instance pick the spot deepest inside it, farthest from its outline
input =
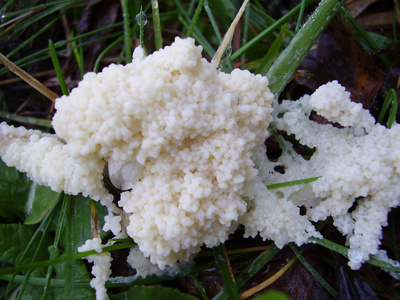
(331, 102)
(358, 166)
(46, 159)
(184, 142)
(173, 130)
(101, 266)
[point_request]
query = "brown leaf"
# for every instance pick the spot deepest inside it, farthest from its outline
(355, 7)
(98, 14)
(211, 280)
(91, 11)
(376, 20)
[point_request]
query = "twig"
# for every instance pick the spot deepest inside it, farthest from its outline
(228, 36)
(28, 78)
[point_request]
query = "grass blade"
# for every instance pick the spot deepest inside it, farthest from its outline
(199, 286)
(268, 282)
(5, 5)
(224, 10)
(70, 248)
(245, 30)
(63, 259)
(368, 40)
(54, 251)
(37, 13)
(272, 53)
(28, 78)
(291, 183)
(197, 34)
(313, 272)
(156, 24)
(43, 54)
(330, 245)
(344, 251)
(195, 18)
(57, 68)
(33, 37)
(256, 265)
(127, 31)
(392, 101)
(216, 60)
(281, 71)
(301, 14)
(141, 19)
(42, 229)
(77, 49)
(224, 266)
(26, 120)
(105, 51)
(212, 20)
(38, 249)
(278, 24)
(393, 108)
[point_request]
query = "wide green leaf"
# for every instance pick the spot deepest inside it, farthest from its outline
(40, 201)
(80, 273)
(22, 198)
(14, 189)
(14, 238)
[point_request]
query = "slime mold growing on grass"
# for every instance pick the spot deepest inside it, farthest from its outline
(172, 120)
(184, 141)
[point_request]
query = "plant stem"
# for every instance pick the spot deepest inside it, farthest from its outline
(127, 32)
(28, 78)
(281, 71)
(156, 24)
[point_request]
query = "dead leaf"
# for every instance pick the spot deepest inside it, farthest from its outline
(355, 7)
(97, 14)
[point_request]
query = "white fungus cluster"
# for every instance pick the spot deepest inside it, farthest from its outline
(184, 142)
(101, 266)
(332, 102)
(359, 169)
(173, 130)
(47, 160)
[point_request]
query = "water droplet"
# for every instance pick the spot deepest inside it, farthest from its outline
(3, 18)
(227, 53)
(124, 174)
(141, 19)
